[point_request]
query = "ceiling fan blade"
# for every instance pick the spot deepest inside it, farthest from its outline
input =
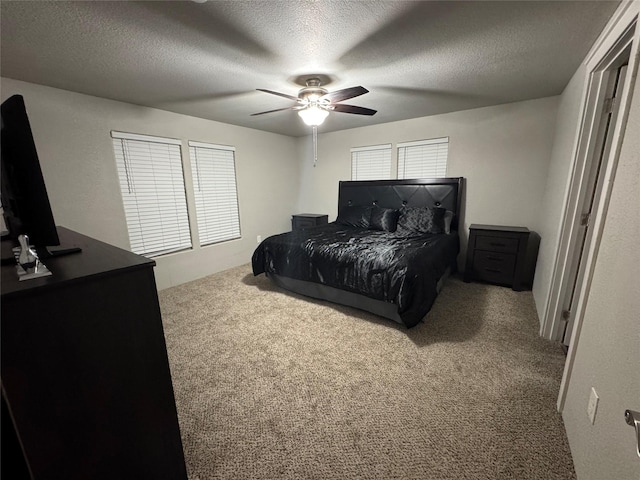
(276, 110)
(353, 109)
(344, 94)
(290, 97)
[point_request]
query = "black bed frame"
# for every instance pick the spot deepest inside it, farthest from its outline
(434, 192)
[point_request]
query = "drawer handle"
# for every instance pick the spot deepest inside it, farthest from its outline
(493, 244)
(493, 270)
(495, 259)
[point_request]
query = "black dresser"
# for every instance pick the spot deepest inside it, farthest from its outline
(86, 386)
(501, 255)
(304, 220)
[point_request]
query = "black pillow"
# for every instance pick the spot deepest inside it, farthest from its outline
(385, 219)
(355, 216)
(421, 220)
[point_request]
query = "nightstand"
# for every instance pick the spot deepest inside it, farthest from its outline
(304, 220)
(502, 255)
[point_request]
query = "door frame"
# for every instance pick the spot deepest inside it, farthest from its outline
(612, 78)
(615, 38)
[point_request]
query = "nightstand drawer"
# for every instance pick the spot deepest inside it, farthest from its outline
(496, 244)
(494, 267)
(306, 220)
(303, 223)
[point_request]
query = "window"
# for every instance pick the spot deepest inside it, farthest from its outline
(371, 163)
(152, 185)
(214, 182)
(423, 158)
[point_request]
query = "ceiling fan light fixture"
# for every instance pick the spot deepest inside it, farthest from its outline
(313, 115)
(314, 103)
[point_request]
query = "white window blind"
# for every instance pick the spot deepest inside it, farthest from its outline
(214, 182)
(423, 158)
(152, 185)
(371, 163)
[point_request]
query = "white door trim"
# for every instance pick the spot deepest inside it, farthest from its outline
(614, 79)
(552, 325)
(604, 52)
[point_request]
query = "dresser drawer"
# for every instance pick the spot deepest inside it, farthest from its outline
(494, 267)
(496, 244)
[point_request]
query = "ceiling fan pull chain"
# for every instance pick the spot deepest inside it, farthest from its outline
(315, 145)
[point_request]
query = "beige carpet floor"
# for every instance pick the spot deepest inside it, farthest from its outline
(272, 385)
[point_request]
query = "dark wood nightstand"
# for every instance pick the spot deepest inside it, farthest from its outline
(502, 255)
(304, 220)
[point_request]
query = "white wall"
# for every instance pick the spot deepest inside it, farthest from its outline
(72, 135)
(502, 151)
(608, 350)
(557, 186)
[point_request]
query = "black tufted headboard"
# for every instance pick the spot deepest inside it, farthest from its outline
(431, 192)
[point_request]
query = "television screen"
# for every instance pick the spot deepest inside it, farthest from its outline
(25, 202)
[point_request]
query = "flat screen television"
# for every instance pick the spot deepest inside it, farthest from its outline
(25, 203)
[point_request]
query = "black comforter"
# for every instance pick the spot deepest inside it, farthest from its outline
(402, 270)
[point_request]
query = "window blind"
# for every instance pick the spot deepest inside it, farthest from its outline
(153, 192)
(423, 158)
(371, 163)
(214, 183)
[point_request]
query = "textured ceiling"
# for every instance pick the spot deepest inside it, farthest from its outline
(207, 59)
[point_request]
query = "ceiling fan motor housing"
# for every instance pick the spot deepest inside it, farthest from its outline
(313, 92)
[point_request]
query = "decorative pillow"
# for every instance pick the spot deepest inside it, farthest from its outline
(385, 219)
(421, 220)
(448, 216)
(355, 216)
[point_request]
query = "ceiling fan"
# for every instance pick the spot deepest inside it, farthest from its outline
(314, 103)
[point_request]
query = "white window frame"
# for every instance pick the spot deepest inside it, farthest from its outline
(213, 169)
(423, 158)
(371, 162)
(151, 175)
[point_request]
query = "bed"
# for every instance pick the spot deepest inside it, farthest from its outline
(388, 252)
